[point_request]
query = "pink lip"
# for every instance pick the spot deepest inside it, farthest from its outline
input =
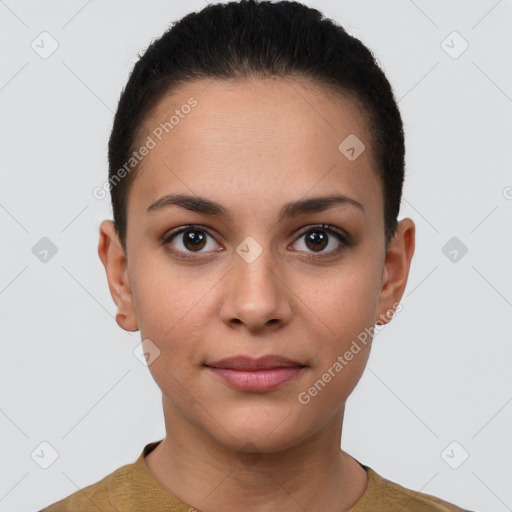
(262, 374)
(250, 363)
(257, 380)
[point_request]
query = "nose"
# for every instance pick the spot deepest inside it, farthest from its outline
(256, 296)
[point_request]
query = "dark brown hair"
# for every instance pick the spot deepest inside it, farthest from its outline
(245, 39)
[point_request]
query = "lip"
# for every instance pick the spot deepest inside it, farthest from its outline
(251, 363)
(256, 375)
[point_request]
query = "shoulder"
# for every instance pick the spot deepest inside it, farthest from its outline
(101, 495)
(382, 494)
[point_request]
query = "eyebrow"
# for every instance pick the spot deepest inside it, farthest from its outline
(208, 207)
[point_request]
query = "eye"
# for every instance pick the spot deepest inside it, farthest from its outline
(189, 240)
(318, 238)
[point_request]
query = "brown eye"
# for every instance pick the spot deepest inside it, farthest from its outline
(317, 238)
(193, 239)
(189, 240)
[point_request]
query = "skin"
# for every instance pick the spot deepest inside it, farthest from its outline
(253, 146)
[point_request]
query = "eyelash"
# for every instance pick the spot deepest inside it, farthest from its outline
(331, 230)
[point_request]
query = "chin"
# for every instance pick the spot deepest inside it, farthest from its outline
(263, 435)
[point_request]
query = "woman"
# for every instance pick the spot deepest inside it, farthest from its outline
(256, 168)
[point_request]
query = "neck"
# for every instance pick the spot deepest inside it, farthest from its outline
(312, 474)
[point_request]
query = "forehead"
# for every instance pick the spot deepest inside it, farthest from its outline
(258, 138)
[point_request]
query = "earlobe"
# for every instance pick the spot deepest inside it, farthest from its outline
(396, 270)
(114, 260)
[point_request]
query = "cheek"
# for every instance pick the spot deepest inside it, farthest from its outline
(170, 301)
(345, 299)
(174, 313)
(342, 310)
(332, 383)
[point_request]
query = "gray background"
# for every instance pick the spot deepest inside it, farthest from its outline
(439, 373)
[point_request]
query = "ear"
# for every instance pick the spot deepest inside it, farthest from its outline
(114, 260)
(396, 270)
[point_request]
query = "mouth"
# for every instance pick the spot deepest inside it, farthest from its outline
(262, 374)
(248, 363)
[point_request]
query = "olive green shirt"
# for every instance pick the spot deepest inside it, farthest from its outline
(132, 488)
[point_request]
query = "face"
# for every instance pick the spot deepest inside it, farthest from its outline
(266, 270)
